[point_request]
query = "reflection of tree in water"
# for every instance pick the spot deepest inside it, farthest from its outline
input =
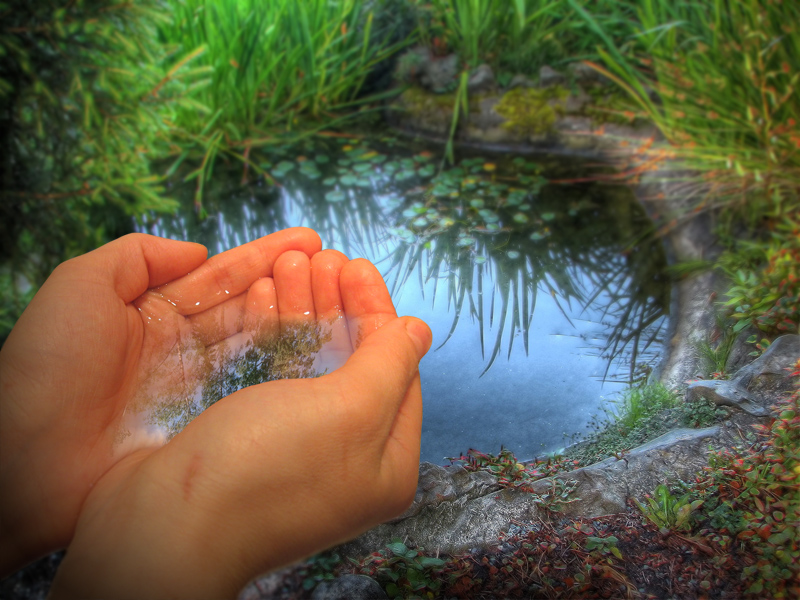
(221, 370)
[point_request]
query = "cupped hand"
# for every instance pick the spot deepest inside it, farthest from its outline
(271, 473)
(73, 361)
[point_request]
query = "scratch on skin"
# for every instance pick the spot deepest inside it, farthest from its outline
(191, 472)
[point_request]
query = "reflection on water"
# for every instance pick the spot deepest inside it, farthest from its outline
(543, 297)
(197, 361)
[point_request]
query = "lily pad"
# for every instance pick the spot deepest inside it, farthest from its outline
(477, 203)
(548, 216)
(512, 254)
(335, 196)
(348, 179)
(282, 168)
(520, 218)
(465, 242)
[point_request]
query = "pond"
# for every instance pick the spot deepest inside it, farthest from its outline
(544, 289)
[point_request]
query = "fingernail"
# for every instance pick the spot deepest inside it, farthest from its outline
(420, 333)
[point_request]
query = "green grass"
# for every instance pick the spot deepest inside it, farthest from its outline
(641, 414)
(725, 76)
(264, 69)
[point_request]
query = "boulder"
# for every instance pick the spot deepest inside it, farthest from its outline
(481, 79)
(754, 387)
(549, 77)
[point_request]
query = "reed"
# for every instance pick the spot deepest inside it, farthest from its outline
(260, 67)
(724, 76)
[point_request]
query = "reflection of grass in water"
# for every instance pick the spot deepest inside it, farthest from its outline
(466, 227)
(223, 371)
(548, 238)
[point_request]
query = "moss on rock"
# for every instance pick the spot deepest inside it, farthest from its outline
(531, 110)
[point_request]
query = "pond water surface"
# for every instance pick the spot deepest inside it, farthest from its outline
(543, 290)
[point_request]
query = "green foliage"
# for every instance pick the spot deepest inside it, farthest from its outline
(78, 127)
(716, 353)
(319, 568)
(754, 497)
(603, 545)
(262, 66)
(516, 36)
(667, 511)
(641, 402)
(767, 295)
(643, 413)
(404, 572)
(725, 75)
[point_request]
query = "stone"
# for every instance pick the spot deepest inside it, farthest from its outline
(440, 75)
(549, 76)
(725, 393)
(481, 79)
(349, 587)
(768, 373)
(456, 510)
(586, 75)
(576, 101)
(521, 81)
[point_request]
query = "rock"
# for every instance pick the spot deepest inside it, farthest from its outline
(725, 393)
(521, 81)
(349, 587)
(481, 79)
(576, 101)
(549, 76)
(456, 510)
(440, 75)
(768, 373)
(586, 75)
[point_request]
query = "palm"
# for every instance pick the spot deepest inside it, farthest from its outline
(83, 351)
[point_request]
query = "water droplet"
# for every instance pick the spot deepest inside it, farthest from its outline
(227, 292)
(308, 312)
(197, 304)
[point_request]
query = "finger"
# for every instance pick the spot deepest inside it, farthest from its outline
(293, 287)
(261, 309)
(219, 322)
(367, 303)
(232, 272)
(326, 268)
(136, 262)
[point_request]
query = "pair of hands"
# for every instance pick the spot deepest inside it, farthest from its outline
(268, 475)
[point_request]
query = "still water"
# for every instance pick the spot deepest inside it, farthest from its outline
(543, 290)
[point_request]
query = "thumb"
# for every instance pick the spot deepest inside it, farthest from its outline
(387, 359)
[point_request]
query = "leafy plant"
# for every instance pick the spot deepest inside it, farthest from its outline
(754, 495)
(667, 511)
(603, 545)
(79, 127)
(768, 296)
(403, 572)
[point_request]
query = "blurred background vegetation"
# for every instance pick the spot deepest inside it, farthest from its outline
(101, 100)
